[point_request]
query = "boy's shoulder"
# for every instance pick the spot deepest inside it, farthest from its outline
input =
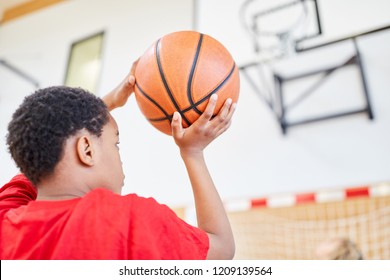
(17, 192)
(107, 198)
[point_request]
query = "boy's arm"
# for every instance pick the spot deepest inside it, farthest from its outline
(211, 215)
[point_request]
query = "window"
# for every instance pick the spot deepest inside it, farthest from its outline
(84, 64)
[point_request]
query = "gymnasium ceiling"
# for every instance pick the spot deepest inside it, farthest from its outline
(12, 9)
(5, 4)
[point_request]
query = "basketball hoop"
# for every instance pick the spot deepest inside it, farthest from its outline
(274, 26)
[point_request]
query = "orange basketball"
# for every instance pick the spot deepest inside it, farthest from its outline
(180, 72)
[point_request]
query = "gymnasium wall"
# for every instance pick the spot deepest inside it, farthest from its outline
(343, 152)
(252, 159)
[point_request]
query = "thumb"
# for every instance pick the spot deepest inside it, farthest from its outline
(176, 125)
(131, 80)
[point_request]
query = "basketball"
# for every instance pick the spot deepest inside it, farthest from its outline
(180, 72)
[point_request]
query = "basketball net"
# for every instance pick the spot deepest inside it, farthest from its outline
(289, 233)
(273, 26)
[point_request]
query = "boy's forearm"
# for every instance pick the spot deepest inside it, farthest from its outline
(211, 215)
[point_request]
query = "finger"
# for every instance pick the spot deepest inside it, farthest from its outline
(232, 109)
(208, 112)
(176, 125)
(223, 113)
(131, 80)
(131, 77)
(133, 67)
(223, 124)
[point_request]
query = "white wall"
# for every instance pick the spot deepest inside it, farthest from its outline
(252, 159)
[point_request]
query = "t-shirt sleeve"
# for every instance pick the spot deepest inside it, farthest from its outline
(158, 233)
(19, 191)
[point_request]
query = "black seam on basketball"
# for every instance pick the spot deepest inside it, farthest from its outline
(224, 81)
(200, 101)
(166, 83)
(167, 116)
(191, 77)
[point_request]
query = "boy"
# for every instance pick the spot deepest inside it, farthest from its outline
(67, 203)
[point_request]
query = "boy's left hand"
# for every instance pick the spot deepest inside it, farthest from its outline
(119, 96)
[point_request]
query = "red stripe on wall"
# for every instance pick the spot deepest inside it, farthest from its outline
(261, 202)
(305, 198)
(355, 192)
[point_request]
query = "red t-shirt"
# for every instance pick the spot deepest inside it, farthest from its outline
(100, 225)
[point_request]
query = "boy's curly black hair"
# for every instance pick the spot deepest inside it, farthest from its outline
(45, 120)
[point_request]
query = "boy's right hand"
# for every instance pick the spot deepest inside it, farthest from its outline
(194, 139)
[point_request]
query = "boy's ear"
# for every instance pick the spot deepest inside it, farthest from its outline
(85, 151)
